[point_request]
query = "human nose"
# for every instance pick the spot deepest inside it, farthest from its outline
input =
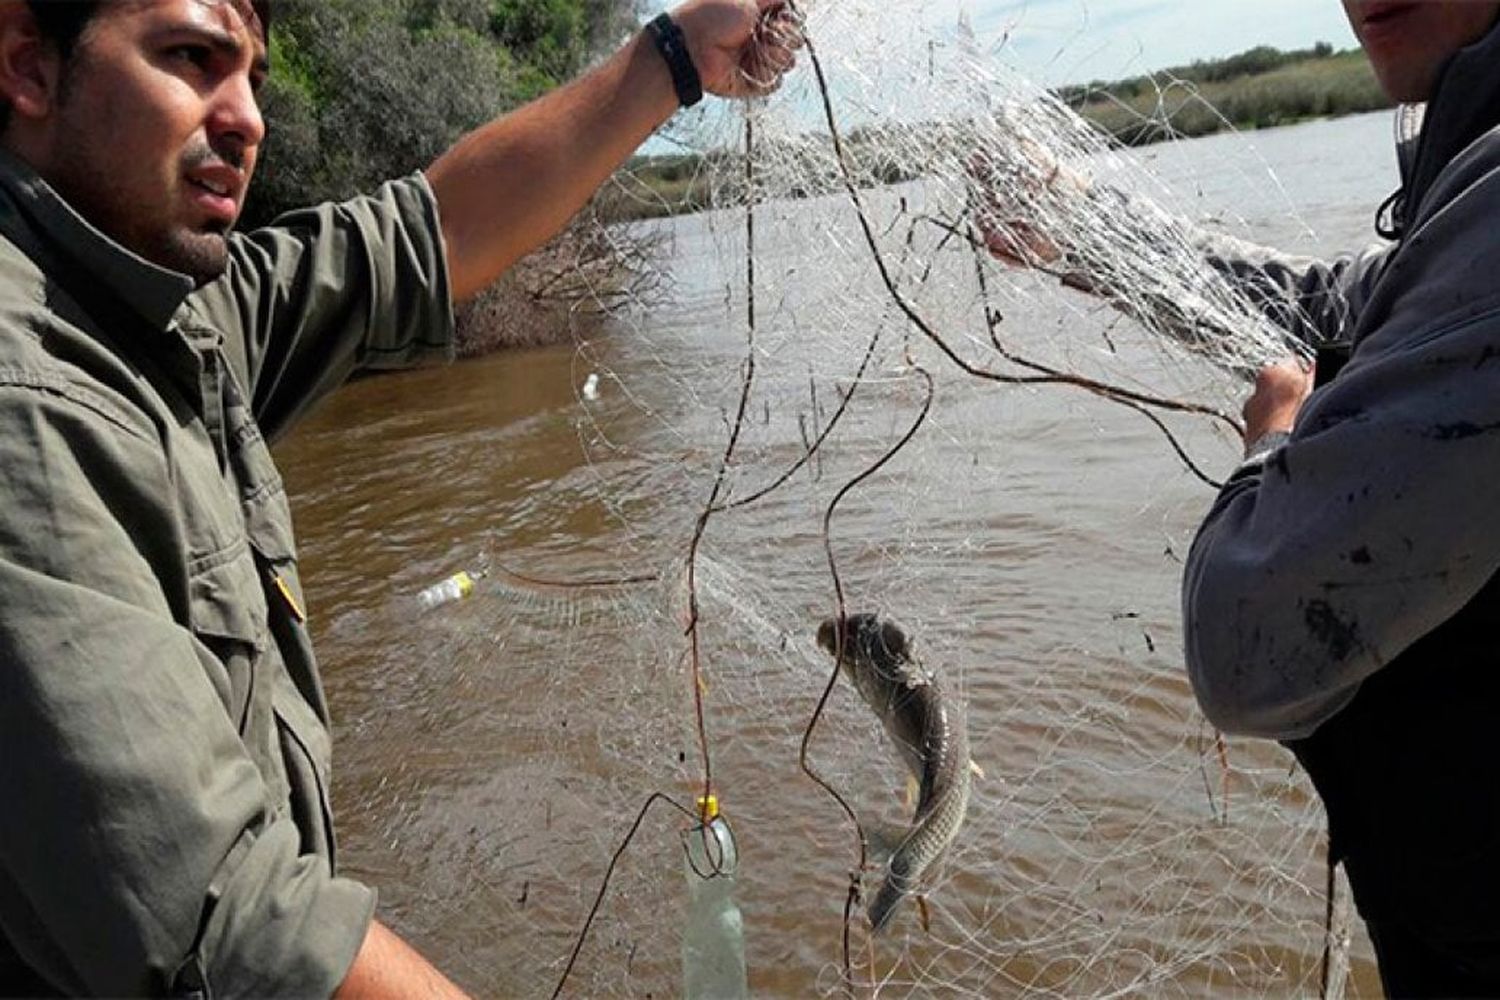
(236, 121)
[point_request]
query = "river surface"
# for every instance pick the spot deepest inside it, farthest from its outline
(492, 755)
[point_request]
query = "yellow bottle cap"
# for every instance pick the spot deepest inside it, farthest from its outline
(708, 807)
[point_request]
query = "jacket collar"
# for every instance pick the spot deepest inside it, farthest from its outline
(64, 245)
(1465, 105)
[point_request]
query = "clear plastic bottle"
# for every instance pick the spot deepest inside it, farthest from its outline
(454, 588)
(713, 939)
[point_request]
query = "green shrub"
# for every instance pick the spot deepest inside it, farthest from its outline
(361, 91)
(1299, 85)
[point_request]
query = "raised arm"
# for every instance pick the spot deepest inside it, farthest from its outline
(507, 187)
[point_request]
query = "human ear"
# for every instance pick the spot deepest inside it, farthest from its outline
(29, 64)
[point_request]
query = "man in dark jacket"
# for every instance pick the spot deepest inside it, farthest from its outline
(164, 746)
(1342, 595)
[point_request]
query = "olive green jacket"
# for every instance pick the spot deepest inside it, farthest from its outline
(164, 747)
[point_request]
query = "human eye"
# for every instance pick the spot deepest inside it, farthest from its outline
(197, 56)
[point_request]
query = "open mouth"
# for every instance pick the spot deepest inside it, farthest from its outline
(221, 190)
(216, 192)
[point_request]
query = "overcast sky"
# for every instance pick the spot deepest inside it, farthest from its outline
(1073, 41)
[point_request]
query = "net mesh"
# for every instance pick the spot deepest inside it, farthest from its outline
(851, 402)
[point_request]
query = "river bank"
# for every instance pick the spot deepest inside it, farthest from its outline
(561, 293)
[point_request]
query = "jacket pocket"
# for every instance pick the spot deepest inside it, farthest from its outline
(306, 752)
(227, 615)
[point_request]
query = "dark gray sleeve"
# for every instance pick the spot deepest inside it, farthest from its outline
(1374, 523)
(138, 854)
(1243, 306)
(1315, 301)
(326, 291)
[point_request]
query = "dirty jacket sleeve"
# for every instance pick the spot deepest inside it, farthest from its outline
(1373, 523)
(326, 291)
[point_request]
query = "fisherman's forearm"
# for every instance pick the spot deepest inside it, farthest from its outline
(509, 186)
(388, 967)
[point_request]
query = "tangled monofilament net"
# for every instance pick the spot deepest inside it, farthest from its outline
(856, 406)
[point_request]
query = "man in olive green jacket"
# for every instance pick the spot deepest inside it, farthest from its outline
(164, 748)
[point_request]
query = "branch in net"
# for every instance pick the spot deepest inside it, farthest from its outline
(814, 449)
(580, 583)
(822, 436)
(1208, 788)
(1113, 393)
(711, 506)
(992, 322)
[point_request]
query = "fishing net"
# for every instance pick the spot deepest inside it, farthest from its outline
(849, 402)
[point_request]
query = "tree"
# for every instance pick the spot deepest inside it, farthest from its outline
(364, 90)
(361, 91)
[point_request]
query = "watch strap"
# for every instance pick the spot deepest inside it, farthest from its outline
(672, 45)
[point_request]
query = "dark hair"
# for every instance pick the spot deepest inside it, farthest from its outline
(61, 22)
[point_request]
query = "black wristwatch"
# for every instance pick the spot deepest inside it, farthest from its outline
(673, 48)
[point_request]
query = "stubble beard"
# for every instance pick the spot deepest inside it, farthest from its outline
(145, 226)
(201, 255)
(147, 231)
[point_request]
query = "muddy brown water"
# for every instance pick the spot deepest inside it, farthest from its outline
(490, 756)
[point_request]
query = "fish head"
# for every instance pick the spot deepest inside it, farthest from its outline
(828, 636)
(869, 642)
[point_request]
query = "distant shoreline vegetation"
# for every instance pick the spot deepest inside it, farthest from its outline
(1261, 87)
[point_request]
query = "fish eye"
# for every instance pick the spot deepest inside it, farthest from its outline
(892, 639)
